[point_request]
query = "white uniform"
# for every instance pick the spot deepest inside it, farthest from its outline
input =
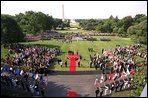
(96, 82)
(102, 79)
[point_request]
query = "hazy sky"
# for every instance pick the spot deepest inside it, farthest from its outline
(77, 9)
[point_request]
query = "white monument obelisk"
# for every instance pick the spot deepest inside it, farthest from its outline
(62, 12)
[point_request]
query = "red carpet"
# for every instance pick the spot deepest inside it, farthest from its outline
(72, 68)
(72, 64)
(71, 94)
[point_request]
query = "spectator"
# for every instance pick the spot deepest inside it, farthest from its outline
(65, 63)
(96, 81)
(90, 63)
(42, 86)
(117, 84)
(78, 62)
(107, 87)
(36, 87)
(97, 91)
(121, 84)
(102, 51)
(115, 75)
(61, 63)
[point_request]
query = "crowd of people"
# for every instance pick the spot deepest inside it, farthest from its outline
(18, 79)
(36, 57)
(119, 57)
(98, 61)
(63, 63)
(103, 34)
(114, 81)
(30, 78)
(122, 65)
(39, 58)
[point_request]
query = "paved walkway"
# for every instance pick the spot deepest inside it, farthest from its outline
(59, 85)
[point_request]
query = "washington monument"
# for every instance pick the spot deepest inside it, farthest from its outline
(63, 12)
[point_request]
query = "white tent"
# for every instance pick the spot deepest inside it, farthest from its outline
(144, 92)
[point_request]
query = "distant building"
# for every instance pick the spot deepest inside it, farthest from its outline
(73, 28)
(72, 21)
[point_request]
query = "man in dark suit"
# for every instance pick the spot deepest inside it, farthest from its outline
(97, 91)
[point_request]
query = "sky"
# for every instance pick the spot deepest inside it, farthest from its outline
(77, 9)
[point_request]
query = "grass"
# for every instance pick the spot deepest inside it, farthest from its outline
(3, 52)
(82, 48)
(121, 94)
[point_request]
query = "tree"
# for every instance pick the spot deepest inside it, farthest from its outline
(108, 25)
(10, 30)
(57, 23)
(127, 22)
(67, 23)
(62, 25)
(138, 18)
(138, 32)
(121, 30)
(88, 24)
(100, 27)
(34, 22)
(115, 30)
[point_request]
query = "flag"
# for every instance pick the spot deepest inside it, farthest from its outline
(110, 76)
(102, 79)
(127, 72)
(123, 74)
(132, 71)
(96, 82)
(115, 75)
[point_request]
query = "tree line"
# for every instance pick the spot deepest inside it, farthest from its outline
(34, 22)
(136, 27)
(14, 28)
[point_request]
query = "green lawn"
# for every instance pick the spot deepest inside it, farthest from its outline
(3, 52)
(82, 48)
(121, 94)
